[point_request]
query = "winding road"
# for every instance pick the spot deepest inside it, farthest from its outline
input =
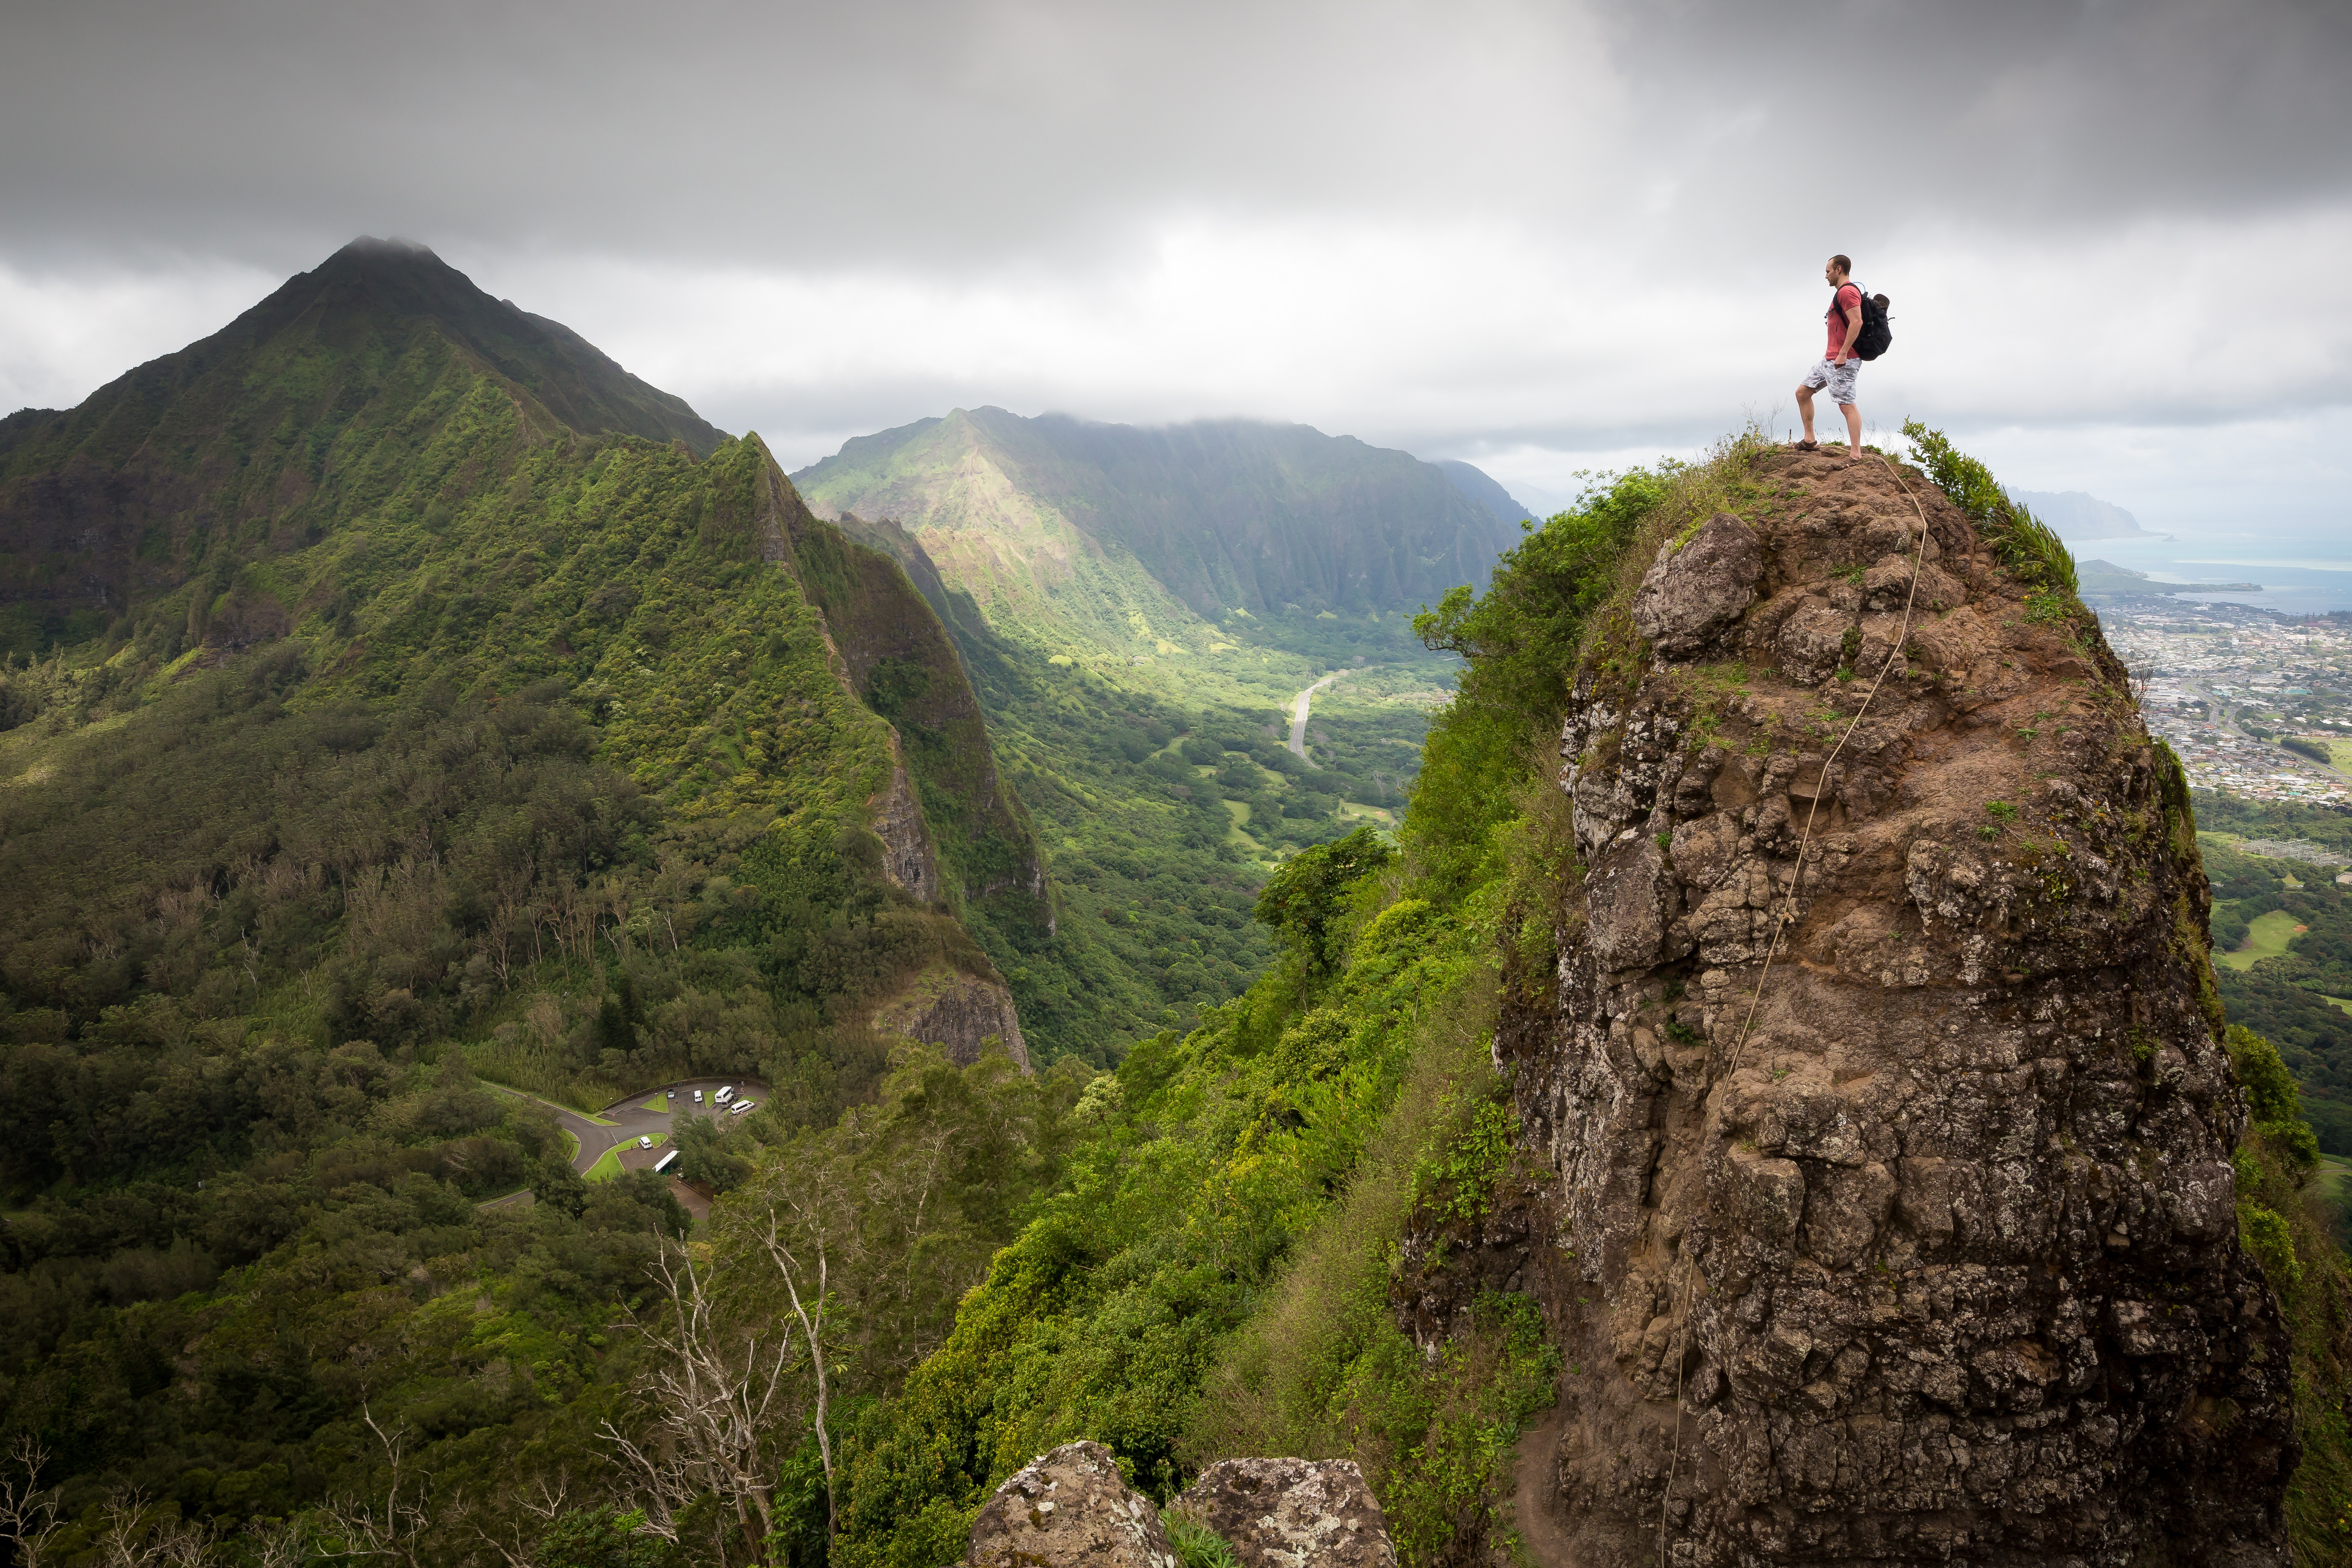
(622, 1124)
(1298, 715)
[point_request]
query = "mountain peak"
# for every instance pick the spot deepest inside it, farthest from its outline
(368, 245)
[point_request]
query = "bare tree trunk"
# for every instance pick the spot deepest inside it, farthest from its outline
(714, 1405)
(28, 1512)
(813, 1328)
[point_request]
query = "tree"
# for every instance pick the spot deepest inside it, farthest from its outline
(558, 1186)
(389, 1524)
(703, 1157)
(1302, 900)
(602, 1538)
(28, 1511)
(713, 1396)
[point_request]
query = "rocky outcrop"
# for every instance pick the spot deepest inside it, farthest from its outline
(1070, 1509)
(959, 1012)
(1698, 586)
(1921, 1247)
(898, 818)
(1292, 1513)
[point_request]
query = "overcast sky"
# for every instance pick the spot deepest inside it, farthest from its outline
(1537, 237)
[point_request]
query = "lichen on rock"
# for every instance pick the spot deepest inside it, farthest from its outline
(1921, 1247)
(1070, 1509)
(1292, 1513)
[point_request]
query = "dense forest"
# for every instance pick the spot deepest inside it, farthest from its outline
(450, 750)
(2288, 977)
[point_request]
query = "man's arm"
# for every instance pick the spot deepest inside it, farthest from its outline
(1853, 330)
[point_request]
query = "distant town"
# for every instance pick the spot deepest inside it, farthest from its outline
(2253, 700)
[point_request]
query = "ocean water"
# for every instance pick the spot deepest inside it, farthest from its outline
(2299, 574)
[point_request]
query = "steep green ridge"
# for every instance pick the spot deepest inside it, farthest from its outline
(1220, 515)
(1481, 487)
(244, 440)
(1140, 609)
(431, 735)
(1160, 544)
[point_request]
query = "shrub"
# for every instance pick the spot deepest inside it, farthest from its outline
(2025, 543)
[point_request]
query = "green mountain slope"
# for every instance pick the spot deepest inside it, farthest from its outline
(1131, 537)
(275, 753)
(246, 437)
(1481, 487)
(1140, 609)
(429, 730)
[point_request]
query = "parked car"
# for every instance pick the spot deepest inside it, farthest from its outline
(726, 1093)
(740, 1106)
(697, 1096)
(645, 1142)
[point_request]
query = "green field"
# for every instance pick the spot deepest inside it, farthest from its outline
(2267, 936)
(608, 1167)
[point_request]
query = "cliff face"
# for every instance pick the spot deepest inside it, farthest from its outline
(949, 811)
(956, 1012)
(1926, 1250)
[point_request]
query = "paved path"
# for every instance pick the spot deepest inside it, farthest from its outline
(629, 1120)
(1298, 716)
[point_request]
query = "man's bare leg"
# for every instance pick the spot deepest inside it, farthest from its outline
(1805, 409)
(1853, 412)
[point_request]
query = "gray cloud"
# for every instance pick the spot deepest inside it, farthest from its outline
(1487, 226)
(941, 135)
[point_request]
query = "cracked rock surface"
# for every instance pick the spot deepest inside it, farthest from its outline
(1939, 1263)
(1292, 1513)
(1070, 1509)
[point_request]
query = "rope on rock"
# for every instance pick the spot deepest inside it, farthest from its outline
(1787, 917)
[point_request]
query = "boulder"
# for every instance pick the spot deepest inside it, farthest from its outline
(1694, 590)
(1070, 1509)
(1292, 1513)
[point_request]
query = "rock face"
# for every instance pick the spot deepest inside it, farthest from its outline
(1698, 586)
(897, 816)
(1070, 1509)
(1292, 1513)
(1938, 1260)
(956, 1012)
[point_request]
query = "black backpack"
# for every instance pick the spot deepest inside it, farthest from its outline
(1875, 335)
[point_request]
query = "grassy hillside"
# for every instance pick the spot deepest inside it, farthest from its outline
(1224, 565)
(430, 739)
(1218, 515)
(248, 442)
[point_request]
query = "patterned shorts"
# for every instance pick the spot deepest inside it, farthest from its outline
(1838, 378)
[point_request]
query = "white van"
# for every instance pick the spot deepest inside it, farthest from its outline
(726, 1093)
(740, 1106)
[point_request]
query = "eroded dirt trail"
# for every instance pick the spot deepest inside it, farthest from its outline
(1531, 1487)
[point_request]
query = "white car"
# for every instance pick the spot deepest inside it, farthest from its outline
(740, 1106)
(645, 1142)
(726, 1093)
(697, 1096)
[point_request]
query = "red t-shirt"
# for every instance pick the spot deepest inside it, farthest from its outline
(1849, 298)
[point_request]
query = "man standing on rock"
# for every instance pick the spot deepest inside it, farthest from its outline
(1839, 364)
